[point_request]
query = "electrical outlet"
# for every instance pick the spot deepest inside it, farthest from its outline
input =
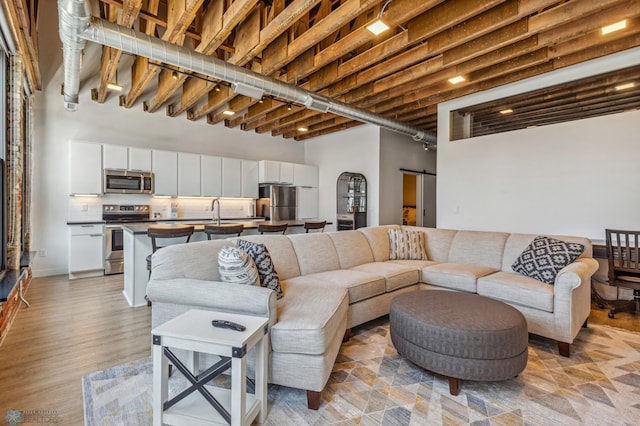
(42, 253)
(85, 207)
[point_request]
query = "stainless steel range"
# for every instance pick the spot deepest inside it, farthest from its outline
(114, 214)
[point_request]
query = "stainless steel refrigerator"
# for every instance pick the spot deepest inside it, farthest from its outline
(277, 202)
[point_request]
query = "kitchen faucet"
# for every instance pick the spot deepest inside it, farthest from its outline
(216, 217)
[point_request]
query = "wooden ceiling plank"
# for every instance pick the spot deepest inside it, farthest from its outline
(111, 56)
(19, 21)
(343, 126)
(566, 12)
(274, 32)
(180, 15)
(215, 101)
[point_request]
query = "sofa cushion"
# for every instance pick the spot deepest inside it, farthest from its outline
(315, 252)
(186, 261)
(361, 285)
(545, 257)
(396, 275)
(352, 247)
(478, 248)
(516, 243)
(282, 253)
(405, 244)
(437, 242)
(456, 276)
(305, 326)
(237, 267)
(378, 238)
(517, 289)
(262, 258)
(416, 264)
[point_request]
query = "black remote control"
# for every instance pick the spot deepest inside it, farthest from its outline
(228, 324)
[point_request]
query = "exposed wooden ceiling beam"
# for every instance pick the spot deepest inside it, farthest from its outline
(23, 25)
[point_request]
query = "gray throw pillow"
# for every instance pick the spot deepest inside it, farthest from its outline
(545, 257)
(266, 270)
(236, 266)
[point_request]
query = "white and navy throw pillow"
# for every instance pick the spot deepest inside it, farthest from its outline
(545, 257)
(408, 245)
(236, 266)
(266, 270)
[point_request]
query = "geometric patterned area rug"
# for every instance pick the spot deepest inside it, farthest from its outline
(372, 385)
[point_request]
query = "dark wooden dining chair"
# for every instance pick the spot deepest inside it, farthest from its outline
(228, 229)
(265, 227)
(624, 267)
(156, 232)
(311, 225)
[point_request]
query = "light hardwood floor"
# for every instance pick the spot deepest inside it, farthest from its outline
(77, 327)
(71, 329)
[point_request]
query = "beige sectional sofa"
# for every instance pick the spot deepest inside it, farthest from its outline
(337, 280)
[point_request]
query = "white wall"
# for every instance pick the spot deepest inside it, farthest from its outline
(399, 151)
(354, 150)
(574, 178)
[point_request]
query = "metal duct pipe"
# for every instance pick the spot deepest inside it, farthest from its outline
(73, 19)
(131, 41)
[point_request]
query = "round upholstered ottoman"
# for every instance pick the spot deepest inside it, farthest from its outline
(459, 335)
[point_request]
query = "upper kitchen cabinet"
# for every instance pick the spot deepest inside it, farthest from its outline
(188, 175)
(85, 168)
(115, 157)
(249, 179)
(165, 172)
(275, 172)
(139, 159)
(305, 175)
(231, 177)
(211, 176)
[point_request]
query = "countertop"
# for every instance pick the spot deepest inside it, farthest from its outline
(182, 219)
(141, 228)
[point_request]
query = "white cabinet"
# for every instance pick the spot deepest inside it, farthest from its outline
(286, 173)
(307, 203)
(305, 175)
(139, 159)
(86, 245)
(231, 177)
(249, 179)
(210, 176)
(85, 168)
(165, 171)
(114, 157)
(188, 175)
(275, 172)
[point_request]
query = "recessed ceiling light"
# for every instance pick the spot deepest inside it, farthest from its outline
(302, 129)
(377, 27)
(228, 112)
(114, 86)
(626, 86)
(457, 79)
(506, 111)
(614, 27)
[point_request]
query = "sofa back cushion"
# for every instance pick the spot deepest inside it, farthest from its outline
(352, 248)
(197, 260)
(516, 243)
(438, 242)
(282, 254)
(378, 237)
(315, 252)
(478, 248)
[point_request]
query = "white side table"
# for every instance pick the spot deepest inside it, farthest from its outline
(206, 404)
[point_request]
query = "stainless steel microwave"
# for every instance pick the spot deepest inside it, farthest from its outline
(128, 182)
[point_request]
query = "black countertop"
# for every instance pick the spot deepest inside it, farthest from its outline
(141, 228)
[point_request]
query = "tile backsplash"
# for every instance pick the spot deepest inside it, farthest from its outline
(90, 208)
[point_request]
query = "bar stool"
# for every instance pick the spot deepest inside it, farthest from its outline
(314, 225)
(265, 227)
(166, 231)
(235, 229)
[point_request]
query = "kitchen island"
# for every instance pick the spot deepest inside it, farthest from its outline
(137, 246)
